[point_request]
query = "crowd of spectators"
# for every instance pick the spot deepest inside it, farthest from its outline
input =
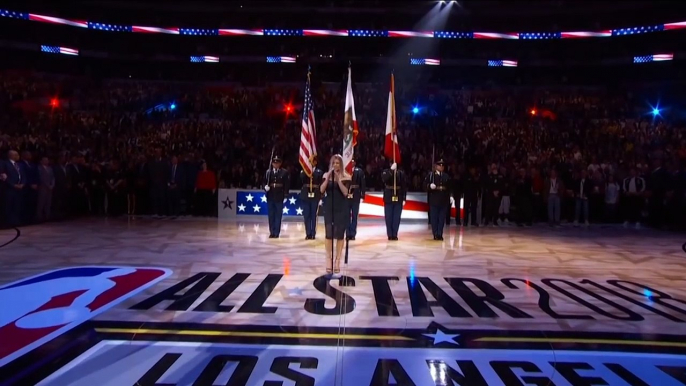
(120, 147)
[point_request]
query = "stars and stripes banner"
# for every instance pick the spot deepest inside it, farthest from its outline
(653, 58)
(204, 59)
(308, 132)
(502, 63)
(59, 50)
(254, 203)
(425, 62)
(237, 203)
(350, 128)
(280, 59)
(345, 32)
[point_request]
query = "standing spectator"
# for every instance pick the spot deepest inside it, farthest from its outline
(174, 187)
(658, 184)
(60, 194)
(30, 191)
(552, 190)
(115, 187)
(633, 188)
(131, 188)
(582, 190)
(504, 210)
(46, 185)
(79, 192)
(15, 181)
(611, 199)
(97, 191)
(472, 189)
(494, 189)
(158, 170)
(205, 187)
(524, 199)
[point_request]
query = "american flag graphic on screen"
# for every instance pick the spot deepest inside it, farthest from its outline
(59, 50)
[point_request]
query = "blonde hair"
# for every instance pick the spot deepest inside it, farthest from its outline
(346, 176)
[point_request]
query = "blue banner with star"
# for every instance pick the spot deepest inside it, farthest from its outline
(254, 203)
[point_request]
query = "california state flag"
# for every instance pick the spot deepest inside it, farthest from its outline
(391, 149)
(350, 129)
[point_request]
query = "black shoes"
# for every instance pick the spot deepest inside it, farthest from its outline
(350, 238)
(438, 238)
(309, 237)
(273, 236)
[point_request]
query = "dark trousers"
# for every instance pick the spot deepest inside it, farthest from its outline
(525, 213)
(470, 204)
(354, 213)
(309, 207)
(174, 201)
(13, 206)
(634, 206)
(30, 202)
(392, 212)
(275, 212)
(205, 203)
(492, 207)
(158, 203)
(438, 213)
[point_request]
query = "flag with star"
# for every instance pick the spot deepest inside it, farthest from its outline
(254, 203)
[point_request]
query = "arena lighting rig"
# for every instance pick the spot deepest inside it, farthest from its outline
(342, 33)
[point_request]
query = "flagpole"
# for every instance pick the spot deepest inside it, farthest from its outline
(311, 158)
(393, 128)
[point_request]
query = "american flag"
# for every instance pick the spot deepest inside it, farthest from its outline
(308, 132)
(59, 50)
(254, 203)
(502, 63)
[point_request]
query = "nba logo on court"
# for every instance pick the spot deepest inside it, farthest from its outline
(40, 308)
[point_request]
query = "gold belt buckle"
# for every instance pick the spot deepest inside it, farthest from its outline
(350, 195)
(394, 198)
(310, 195)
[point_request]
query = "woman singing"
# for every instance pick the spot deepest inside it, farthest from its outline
(336, 211)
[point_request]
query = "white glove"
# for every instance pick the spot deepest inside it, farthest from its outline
(266, 188)
(394, 166)
(284, 200)
(452, 201)
(321, 202)
(432, 186)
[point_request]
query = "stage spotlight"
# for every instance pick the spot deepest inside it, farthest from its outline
(533, 112)
(289, 109)
(54, 102)
(656, 111)
(415, 110)
(172, 106)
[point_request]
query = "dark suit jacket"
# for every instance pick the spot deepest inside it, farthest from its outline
(179, 178)
(14, 177)
(588, 188)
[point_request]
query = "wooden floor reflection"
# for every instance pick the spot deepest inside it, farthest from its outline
(569, 279)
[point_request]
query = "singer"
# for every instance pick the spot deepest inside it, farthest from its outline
(336, 211)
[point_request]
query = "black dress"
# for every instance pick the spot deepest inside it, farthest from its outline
(336, 209)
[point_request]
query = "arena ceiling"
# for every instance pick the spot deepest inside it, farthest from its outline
(478, 13)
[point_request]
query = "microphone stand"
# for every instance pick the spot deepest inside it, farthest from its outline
(333, 193)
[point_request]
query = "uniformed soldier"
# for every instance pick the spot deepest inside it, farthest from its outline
(356, 193)
(394, 195)
(438, 187)
(276, 185)
(310, 195)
